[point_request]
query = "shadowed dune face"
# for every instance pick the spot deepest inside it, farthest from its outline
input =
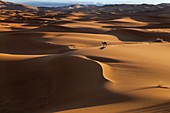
(29, 43)
(53, 83)
(132, 35)
(138, 36)
(55, 28)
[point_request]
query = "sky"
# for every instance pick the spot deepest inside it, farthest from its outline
(100, 1)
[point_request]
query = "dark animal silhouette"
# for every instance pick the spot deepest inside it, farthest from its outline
(104, 45)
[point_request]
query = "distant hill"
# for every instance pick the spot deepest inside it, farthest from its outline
(46, 4)
(161, 9)
(57, 4)
(14, 6)
(149, 9)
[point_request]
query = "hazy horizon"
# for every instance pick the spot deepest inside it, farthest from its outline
(97, 1)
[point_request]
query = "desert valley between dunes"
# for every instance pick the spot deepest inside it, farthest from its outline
(52, 59)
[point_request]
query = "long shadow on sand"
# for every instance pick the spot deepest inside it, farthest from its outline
(51, 84)
(56, 28)
(29, 43)
(138, 36)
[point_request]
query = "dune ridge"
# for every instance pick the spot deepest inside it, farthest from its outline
(55, 87)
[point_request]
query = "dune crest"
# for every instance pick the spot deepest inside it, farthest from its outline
(55, 82)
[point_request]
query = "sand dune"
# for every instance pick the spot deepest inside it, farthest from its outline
(54, 62)
(50, 90)
(106, 80)
(29, 43)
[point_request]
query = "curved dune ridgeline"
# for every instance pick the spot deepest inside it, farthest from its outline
(52, 81)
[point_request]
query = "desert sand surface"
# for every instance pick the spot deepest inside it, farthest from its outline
(55, 63)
